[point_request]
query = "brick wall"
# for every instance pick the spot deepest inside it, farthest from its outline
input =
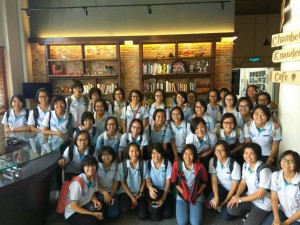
(130, 65)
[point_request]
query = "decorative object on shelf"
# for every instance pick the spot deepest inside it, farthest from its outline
(178, 67)
(57, 69)
(108, 70)
(201, 54)
(171, 55)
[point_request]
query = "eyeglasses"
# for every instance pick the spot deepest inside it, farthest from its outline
(138, 128)
(290, 162)
(244, 106)
(219, 151)
(229, 99)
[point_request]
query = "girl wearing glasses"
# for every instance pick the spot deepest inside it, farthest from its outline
(285, 191)
(200, 109)
(116, 107)
(244, 106)
(225, 178)
(229, 103)
(159, 96)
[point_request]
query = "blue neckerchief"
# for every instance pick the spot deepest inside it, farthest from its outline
(287, 183)
(81, 156)
(60, 120)
(251, 171)
(78, 100)
(201, 142)
(259, 131)
(89, 184)
(17, 117)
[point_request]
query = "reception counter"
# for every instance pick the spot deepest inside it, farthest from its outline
(27, 162)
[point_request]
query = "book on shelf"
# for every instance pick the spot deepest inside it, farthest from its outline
(107, 88)
(157, 68)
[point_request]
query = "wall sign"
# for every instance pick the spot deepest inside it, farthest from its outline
(286, 55)
(287, 77)
(285, 38)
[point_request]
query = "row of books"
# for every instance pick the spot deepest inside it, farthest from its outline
(107, 88)
(157, 68)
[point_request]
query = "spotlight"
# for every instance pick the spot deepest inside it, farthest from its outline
(149, 9)
(86, 12)
(27, 12)
(222, 6)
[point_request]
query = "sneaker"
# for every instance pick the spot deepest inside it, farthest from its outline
(245, 217)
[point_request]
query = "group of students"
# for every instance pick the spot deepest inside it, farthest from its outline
(151, 155)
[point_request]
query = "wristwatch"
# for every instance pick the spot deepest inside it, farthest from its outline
(240, 200)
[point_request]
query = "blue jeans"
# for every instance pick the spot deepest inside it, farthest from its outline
(186, 212)
(270, 218)
(222, 192)
(111, 211)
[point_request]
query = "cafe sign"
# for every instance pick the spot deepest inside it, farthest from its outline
(287, 77)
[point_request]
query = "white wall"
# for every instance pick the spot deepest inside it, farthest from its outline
(289, 109)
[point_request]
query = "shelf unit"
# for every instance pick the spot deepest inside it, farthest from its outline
(177, 66)
(95, 64)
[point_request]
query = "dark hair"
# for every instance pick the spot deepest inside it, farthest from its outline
(82, 132)
(194, 150)
(158, 111)
(227, 116)
(230, 94)
(118, 89)
(38, 93)
(111, 118)
(126, 153)
(95, 90)
(217, 92)
(180, 111)
(203, 103)
(159, 148)
(226, 147)
(58, 98)
(248, 100)
(101, 100)
(136, 92)
(263, 94)
(161, 91)
(109, 150)
(265, 109)
(76, 83)
(255, 147)
(192, 92)
(87, 115)
(253, 86)
(20, 97)
(182, 94)
(139, 121)
(224, 90)
(88, 160)
(296, 157)
(195, 122)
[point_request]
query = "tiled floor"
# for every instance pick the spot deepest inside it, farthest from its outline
(210, 217)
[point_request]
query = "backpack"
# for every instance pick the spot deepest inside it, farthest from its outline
(125, 168)
(231, 163)
(69, 102)
(8, 114)
(35, 116)
(71, 152)
(263, 166)
(63, 199)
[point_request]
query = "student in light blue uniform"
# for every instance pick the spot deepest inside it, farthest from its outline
(94, 94)
(87, 123)
(101, 114)
(58, 121)
(75, 211)
(159, 96)
(76, 104)
(285, 191)
(244, 106)
(256, 201)
(213, 108)
(15, 119)
(116, 107)
(111, 137)
(132, 173)
(158, 184)
(180, 101)
(108, 185)
(203, 140)
(180, 130)
(82, 147)
(224, 179)
(36, 116)
(229, 103)
(200, 111)
(264, 132)
(134, 110)
(158, 132)
(136, 135)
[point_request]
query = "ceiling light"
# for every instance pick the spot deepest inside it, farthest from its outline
(86, 12)
(222, 6)
(149, 9)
